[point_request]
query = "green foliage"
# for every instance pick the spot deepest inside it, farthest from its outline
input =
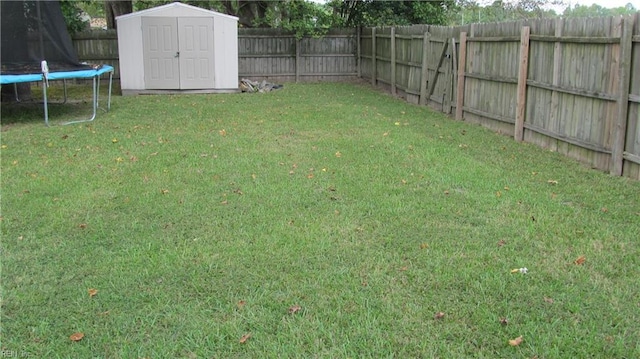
(95, 9)
(205, 4)
(388, 13)
(498, 11)
(302, 17)
(72, 13)
(597, 10)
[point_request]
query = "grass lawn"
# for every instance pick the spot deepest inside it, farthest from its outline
(321, 220)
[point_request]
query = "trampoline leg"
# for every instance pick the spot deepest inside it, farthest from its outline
(15, 91)
(109, 98)
(46, 107)
(64, 82)
(95, 105)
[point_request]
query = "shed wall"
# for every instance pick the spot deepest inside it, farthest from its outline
(130, 50)
(130, 44)
(226, 53)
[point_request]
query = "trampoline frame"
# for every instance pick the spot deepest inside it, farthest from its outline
(94, 74)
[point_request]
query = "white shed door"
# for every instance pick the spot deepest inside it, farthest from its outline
(160, 53)
(195, 35)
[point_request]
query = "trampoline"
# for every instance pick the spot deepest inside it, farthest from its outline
(36, 47)
(45, 77)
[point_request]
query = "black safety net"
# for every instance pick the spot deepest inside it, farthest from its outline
(33, 31)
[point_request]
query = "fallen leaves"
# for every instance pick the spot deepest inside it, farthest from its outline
(520, 270)
(244, 338)
(338, 154)
(92, 292)
(504, 321)
(439, 315)
(580, 260)
(294, 309)
(515, 342)
(552, 182)
(548, 300)
(76, 337)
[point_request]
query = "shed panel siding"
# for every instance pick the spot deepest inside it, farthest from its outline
(178, 47)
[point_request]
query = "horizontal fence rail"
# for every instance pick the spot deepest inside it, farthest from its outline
(570, 85)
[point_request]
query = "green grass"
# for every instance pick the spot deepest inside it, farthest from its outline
(202, 218)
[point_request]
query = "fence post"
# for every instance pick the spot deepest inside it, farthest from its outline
(462, 61)
(424, 75)
(358, 59)
(557, 68)
(620, 129)
(373, 56)
(393, 61)
(453, 70)
(521, 96)
(297, 60)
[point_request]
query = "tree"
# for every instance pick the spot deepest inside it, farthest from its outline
(379, 13)
(73, 16)
(499, 10)
(597, 10)
(113, 8)
(249, 13)
(301, 17)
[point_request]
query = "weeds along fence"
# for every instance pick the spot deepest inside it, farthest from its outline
(570, 85)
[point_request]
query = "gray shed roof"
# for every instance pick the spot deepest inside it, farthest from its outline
(169, 9)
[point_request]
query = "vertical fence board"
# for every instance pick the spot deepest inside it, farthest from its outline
(620, 128)
(460, 80)
(522, 84)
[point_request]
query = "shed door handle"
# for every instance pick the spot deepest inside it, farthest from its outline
(177, 54)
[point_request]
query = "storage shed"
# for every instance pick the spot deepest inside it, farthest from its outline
(177, 48)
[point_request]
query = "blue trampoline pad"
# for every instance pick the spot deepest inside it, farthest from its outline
(12, 79)
(81, 74)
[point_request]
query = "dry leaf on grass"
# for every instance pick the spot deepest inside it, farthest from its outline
(241, 304)
(76, 336)
(439, 315)
(580, 260)
(245, 338)
(504, 321)
(548, 300)
(515, 342)
(294, 309)
(92, 292)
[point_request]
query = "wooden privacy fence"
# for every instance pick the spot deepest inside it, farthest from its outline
(571, 85)
(279, 56)
(262, 54)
